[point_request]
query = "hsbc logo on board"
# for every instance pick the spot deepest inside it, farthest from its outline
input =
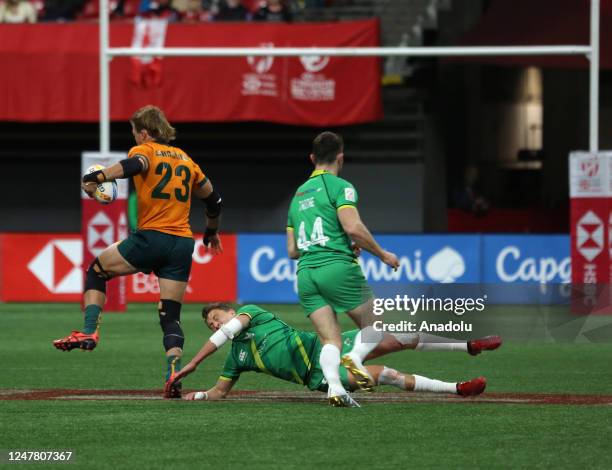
(590, 236)
(100, 233)
(58, 266)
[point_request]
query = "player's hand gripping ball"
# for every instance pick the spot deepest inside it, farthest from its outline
(106, 192)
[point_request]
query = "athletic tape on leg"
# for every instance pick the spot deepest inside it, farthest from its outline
(392, 377)
(96, 280)
(169, 320)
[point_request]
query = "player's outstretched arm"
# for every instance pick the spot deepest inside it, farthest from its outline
(213, 201)
(219, 337)
(359, 233)
(218, 392)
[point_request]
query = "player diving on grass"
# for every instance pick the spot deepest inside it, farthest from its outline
(323, 224)
(263, 343)
(165, 179)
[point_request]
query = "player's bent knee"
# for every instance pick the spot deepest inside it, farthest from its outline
(96, 277)
(170, 322)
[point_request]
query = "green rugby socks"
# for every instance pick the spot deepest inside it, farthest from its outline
(92, 316)
(173, 365)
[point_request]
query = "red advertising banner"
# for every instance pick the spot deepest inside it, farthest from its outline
(49, 268)
(213, 278)
(104, 224)
(41, 267)
(591, 227)
(316, 91)
(101, 226)
(1, 265)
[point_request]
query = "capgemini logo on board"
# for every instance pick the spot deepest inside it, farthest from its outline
(511, 266)
(282, 269)
(444, 266)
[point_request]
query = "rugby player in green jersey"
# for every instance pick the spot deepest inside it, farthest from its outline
(263, 343)
(322, 226)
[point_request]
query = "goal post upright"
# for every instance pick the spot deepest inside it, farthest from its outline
(104, 78)
(594, 77)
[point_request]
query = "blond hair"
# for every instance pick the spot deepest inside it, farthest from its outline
(153, 120)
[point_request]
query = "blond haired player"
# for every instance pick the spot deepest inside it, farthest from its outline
(165, 179)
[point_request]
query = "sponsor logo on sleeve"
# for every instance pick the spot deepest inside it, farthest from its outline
(242, 355)
(349, 194)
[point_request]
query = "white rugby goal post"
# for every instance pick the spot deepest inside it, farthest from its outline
(591, 52)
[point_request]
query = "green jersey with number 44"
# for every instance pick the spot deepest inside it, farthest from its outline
(313, 217)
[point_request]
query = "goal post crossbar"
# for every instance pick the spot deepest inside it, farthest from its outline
(350, 51)
(591, 52)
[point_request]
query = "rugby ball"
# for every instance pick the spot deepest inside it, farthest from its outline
(105, 192)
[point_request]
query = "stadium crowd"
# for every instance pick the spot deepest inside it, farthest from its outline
(31, 11)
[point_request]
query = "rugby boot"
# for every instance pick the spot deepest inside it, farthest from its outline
(472, 387)
(364, 379)
(488, 343)
(78, 340)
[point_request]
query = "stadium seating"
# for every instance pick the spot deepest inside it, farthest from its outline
(334, 9)
(91, 10)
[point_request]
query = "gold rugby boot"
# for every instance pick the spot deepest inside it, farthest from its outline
(364, 380)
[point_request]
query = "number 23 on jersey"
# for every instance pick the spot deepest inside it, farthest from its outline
(165, 170)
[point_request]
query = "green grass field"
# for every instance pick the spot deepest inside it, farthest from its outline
(175, 434)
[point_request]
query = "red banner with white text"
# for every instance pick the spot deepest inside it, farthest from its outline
(591, 231)
(104, 224)
(54, 73)
(49, 268)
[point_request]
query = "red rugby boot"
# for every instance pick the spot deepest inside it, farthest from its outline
(488, 343)
(78, 340)
(172, 389)
(472, 387)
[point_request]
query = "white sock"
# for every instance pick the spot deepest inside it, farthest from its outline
(429, 342)
(330, 365)
(360, 348)
(423, 384)
(392, 377)
(406, 338)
